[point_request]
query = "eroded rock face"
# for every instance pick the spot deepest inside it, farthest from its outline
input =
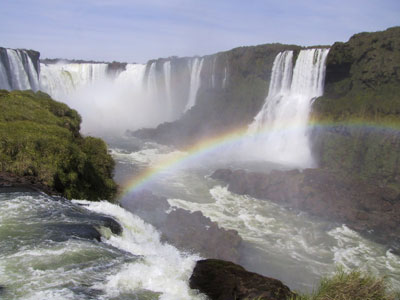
(223, 280)
(185, 230)
(367, 208)
(360, 109)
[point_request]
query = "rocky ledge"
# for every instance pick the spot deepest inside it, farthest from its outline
(185, 230)
(367, 208)
(223, 280)
(11, 182)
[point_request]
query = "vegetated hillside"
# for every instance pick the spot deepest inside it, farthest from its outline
(224, 106)
(39, 139)
(361, 104)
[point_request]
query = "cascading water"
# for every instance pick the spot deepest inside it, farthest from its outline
(18, 71)
(62, 80)
(280, 128)
(167, 80)
(225, 77)
(105, 102)
(213, 72)
(152, 80)
(46, 253)
(196, 66)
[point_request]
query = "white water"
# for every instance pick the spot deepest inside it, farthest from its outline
(131, 100)
(294, 244)
(280, 128)
(4, 78)
(167, 80)
(278, 242)
(62, 80)
(107, 104)
(195, 81)
(225, 77)
(151, 84)
(162, 268)
(135, 265)
(23, 75)
(213, 72)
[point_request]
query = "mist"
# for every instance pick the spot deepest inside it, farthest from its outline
(108, 104)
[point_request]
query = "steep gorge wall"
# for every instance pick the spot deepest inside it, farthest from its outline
(360, 109)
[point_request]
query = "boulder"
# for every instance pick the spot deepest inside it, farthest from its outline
(189, 231)
(63, 232)
(224, 280)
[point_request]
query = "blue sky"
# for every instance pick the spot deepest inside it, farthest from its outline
(135, 31)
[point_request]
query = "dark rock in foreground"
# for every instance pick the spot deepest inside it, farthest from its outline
(185, 230)
(367, 208)
(63, 232)
(13, 183)
(95, 219)
(223, 280)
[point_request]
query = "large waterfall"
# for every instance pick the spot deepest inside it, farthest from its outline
(18, 70)
(155, 89)
(280, 128)
(61, 80)
(163, 90)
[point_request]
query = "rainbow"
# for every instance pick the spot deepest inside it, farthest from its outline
(233, 137)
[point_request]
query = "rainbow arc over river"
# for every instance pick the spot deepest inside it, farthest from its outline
(237, 138)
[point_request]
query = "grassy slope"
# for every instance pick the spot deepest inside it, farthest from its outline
(40, 137)
(354, 285)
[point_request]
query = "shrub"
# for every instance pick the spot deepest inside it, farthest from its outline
(39, 137)
(354, 285)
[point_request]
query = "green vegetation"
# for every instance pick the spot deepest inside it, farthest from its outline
(362, 87)
(40, 138)
(351, 286)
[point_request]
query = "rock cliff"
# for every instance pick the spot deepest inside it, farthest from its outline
(360, 109)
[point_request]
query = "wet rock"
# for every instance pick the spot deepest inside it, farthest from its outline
(10, 183)
(223, 280)
(96, 220)
(63, 232)
(205, 236)
(364, 207)
(110, 223)
(185, 230)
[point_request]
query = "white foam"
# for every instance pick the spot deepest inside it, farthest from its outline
(147, 157)
(162, 268)
(295, 240)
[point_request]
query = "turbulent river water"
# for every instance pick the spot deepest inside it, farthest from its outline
(36, 262)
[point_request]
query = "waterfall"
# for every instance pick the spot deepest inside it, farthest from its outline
(62, 80)
(167, 81)
(151, 84)
(225, 77)
(4, 84)
(108, 104)
(196, 66)
(213, 72)
(279, 86)
(280, 128)
(18, 71)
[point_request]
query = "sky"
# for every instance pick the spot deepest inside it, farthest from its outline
(136, 31)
